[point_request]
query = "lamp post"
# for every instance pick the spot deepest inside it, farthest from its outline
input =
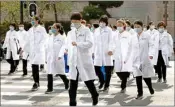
(165, 11)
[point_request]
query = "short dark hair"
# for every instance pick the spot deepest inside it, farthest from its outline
(138, 23)
(60, 27)
(104, 19)
(128, 22)
(37, 19)
(115, 27)
(76, 16)
(150, 23)
(13, 24)
(96, 25)
(161, 24)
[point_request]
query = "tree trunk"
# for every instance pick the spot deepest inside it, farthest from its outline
(55, 11)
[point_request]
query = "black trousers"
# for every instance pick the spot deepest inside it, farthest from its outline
(50, 81)
(24, 66)
(35, 73)
(108, 71)
(123, 76)
(140, 85)
(13, 63)
(161, 67)
(41, 66)
(73, 90)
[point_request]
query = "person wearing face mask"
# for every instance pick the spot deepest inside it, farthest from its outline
(165, 45)
(128, 27)
(13, 48)
(79, 44)
(143, 53)
(122, 52)
(23, 37)
(103, 45)
(36, 44)
(155, 39)
(55, 49)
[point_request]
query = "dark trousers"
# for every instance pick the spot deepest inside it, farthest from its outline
(140, 86)
(50, 81)
(161, 67)
(123, 76)
(41, 66)
(13, 64)
(35, 73)
(73, 90)
(24, 66)
(108, 72)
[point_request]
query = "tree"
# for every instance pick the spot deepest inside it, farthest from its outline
(106, 4)
(92, 12)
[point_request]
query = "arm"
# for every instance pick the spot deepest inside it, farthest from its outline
(6, 41)
(129, 48)
(151, 46)
(62, 50)
(170, 39)
(111, 41)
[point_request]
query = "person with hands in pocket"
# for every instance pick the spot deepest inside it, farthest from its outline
(55, 49)
(143, 54)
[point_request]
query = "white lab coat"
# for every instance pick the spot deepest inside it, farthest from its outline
(79, 57)
(12, 44)
(23, 38)
(36, 44)
(143, 48)
(122, 52)
(171, 50)
(155, 39)
(55, 48)
(103, 43)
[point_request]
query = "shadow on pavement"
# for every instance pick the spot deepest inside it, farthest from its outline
(161, 86)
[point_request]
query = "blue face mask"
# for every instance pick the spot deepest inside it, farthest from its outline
(54, 30)
(138, 30)
(33, 23)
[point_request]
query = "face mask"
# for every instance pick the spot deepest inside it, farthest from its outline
(161, 30)
(120, 29)
(77, 25)
(138, 30)
(72, 26)
(21, 28)
(54, 31)
(102, 25)
(11, 28)
(50, 31)
(33, 23)
(128, 28)
(152, 27)
(144, 29)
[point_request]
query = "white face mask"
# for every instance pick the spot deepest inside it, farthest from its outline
(21, 28)
(102, 25)
(128, 28)
(144, 29)
(76, 25)
(161, 30)
(120, 29)
(50, 31)
(11, 28)
(152, 27)
(138, 30)
(72, 26)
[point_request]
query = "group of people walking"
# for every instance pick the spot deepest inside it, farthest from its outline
(121, 49)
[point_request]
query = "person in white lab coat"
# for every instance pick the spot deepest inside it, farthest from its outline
(80, 60)
(155, 39)
(143, 52)
(103, 44)
(55, 49)
(23, 37)
(128, 27)
(122, 53)
(13, 48)
(36, 48)
(165, 45)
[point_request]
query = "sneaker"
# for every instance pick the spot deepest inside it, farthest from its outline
(165, 81)
(49, 91)
(152, 92)
(24, 75)
(10, 73)
(159, 80)
(106, 89)
(35, 87)
(123, 91)
(95, 100)
(100, 86)
(139, 97)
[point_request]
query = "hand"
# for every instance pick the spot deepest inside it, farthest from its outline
(46, 62)
(74, 43)
(124, 62)
(150, 57)
(110, 53)
(59, 58)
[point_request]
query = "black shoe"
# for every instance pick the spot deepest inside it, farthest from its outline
(24, 75)
(49, 91)
(73, 103)
(67, 85)
(10, 73)
(123, 91)
(106, 89)
(152, 91)
(95, 100)
(165, 81)
(57, 75)
(35, 87)
(100, 86)
(159, 80)
(139, 97)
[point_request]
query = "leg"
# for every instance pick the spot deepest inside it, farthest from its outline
(91, 87)
(124, 76)
(108, 70)
(24, 66)
(164, 73)
(159, 70)
(139, 85)
(65, 80)
(42, 67)
(149, 84)
(49, 84)
(100, 76)
(35, 74)
(73, 92)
